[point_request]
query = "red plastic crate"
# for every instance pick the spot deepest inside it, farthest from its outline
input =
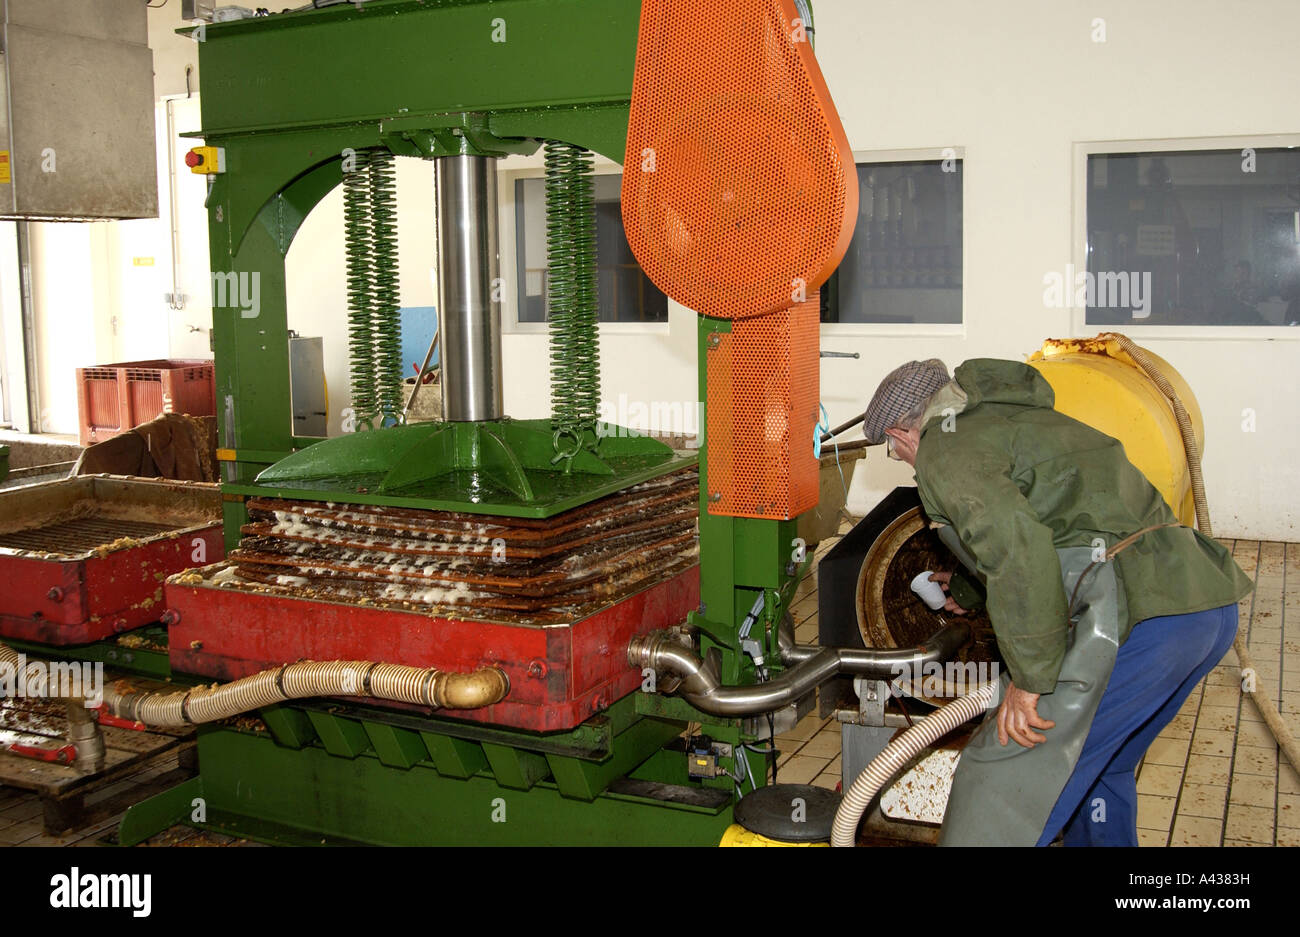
(114, 398)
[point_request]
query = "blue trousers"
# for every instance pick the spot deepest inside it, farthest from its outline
(1156, 669)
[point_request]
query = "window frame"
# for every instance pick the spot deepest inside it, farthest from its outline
(1079, 234)
(921, 329)
(508, 243)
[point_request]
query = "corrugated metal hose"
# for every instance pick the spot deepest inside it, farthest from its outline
(422, 686)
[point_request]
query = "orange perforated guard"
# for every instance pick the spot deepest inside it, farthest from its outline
(763, 393)
(739, 189)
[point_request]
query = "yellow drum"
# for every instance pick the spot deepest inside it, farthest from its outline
(1097, 382)
(737, 835)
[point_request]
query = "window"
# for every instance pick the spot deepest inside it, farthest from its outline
(904, 262)
(626, 293)
(1209, 237)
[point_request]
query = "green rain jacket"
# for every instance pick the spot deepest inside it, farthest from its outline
(1016, 480)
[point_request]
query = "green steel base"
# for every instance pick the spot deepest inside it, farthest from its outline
(146, 662)
(252, 787)
(508, 468)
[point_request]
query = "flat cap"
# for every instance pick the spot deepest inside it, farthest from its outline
(899, 392)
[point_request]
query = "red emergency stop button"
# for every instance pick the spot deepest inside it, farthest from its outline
(206, 160)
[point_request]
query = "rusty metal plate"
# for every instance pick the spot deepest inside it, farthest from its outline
(542, 570)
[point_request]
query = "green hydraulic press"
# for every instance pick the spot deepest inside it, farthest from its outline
(647, 690)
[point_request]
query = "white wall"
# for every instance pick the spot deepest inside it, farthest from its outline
(1014, 85)
(13, 374)
(75, 322)
(172, 53)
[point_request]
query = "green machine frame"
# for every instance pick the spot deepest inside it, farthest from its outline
(285, 96)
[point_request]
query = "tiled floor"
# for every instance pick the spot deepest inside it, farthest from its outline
(1214, 776)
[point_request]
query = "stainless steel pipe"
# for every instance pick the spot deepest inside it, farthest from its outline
(469, 287)
(884, 663)
(807, 668)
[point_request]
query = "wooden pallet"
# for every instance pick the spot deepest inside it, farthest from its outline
(64, 790)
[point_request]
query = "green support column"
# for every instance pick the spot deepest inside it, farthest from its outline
(233, 516)
(250, 324)
(741, 559)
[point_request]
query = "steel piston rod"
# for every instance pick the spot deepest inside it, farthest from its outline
(468, 278)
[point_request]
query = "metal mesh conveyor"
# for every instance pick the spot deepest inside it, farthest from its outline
(80, 535)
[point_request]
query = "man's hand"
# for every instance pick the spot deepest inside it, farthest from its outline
(950, 606)
(1018, 717)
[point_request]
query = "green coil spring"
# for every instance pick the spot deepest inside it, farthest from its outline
(357, 247)
(374, 327)
(572, 297)
(383, 262)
